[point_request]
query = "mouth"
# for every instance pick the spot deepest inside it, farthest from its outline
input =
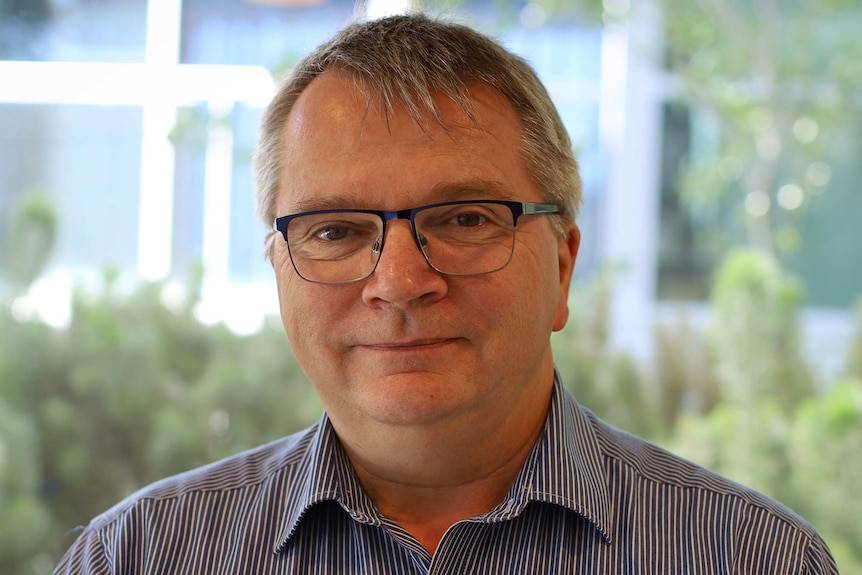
(411, 345)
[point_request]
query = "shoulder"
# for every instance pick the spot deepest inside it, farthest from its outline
(670, 495)
(237, 500)
(251, 470)
(631, 459)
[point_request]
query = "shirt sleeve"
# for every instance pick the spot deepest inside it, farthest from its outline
(818, 559)
(86, 556)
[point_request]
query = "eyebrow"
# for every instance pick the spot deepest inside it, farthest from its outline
(480, 189)
(313, 203)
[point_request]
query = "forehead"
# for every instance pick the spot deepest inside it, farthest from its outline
(339, 145)
(336, 103)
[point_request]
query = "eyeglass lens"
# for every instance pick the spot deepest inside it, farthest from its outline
(456, 239)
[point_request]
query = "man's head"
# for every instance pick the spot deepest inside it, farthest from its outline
(420, 327)
(404, 60)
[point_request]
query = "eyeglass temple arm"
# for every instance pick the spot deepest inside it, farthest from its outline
(534, 208)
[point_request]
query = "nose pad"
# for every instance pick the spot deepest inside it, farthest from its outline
(377, 246)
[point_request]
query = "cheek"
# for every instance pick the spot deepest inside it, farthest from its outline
(296, 306)
(313, 317)
(513, 310)
(535, 286)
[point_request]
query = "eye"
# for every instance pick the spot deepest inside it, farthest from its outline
(332, 233)
(470, 219)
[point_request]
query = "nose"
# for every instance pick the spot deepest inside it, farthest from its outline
(402, 277)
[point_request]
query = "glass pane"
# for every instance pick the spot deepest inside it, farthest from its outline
(247, 262)
(274, 36)
(559, 52)
(693, 239)
(684, 267)
(829, 261)
(73, 30)
(86, 160)
(189, 138)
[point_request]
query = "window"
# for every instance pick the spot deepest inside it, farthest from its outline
(139, 119)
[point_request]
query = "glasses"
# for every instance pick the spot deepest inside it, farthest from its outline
(462, 238)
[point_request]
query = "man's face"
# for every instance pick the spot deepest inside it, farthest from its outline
(409, 347)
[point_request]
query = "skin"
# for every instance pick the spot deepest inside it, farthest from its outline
(438, 386)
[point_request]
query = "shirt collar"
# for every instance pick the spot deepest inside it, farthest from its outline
(565, 468)
(325, 474)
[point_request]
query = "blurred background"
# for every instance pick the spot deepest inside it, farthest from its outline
(716, 308)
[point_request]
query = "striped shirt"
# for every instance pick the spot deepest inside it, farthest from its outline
(590, 499)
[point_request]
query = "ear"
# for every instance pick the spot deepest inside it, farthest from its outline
(567, 254)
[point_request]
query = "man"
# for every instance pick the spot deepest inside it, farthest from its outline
(423, 194)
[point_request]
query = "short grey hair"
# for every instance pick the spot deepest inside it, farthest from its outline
(404, 60)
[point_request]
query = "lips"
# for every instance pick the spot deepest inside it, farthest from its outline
(415, 344)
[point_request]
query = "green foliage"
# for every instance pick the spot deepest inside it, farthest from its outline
(771, 108)
(132, 390)
(685, 372)
(24, 515)
(737, 398)
(28, 240)
(807, 459)
(771, 429)
(754, 338)
(608, 382)
(826, 440)
(854, 359)
(589, 12)
(754, 333)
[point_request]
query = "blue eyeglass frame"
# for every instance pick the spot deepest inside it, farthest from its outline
(518, 209)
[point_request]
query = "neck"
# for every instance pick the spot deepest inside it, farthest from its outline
(426, 480)
(427, 510)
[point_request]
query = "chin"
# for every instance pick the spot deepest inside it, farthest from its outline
(416, 399)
